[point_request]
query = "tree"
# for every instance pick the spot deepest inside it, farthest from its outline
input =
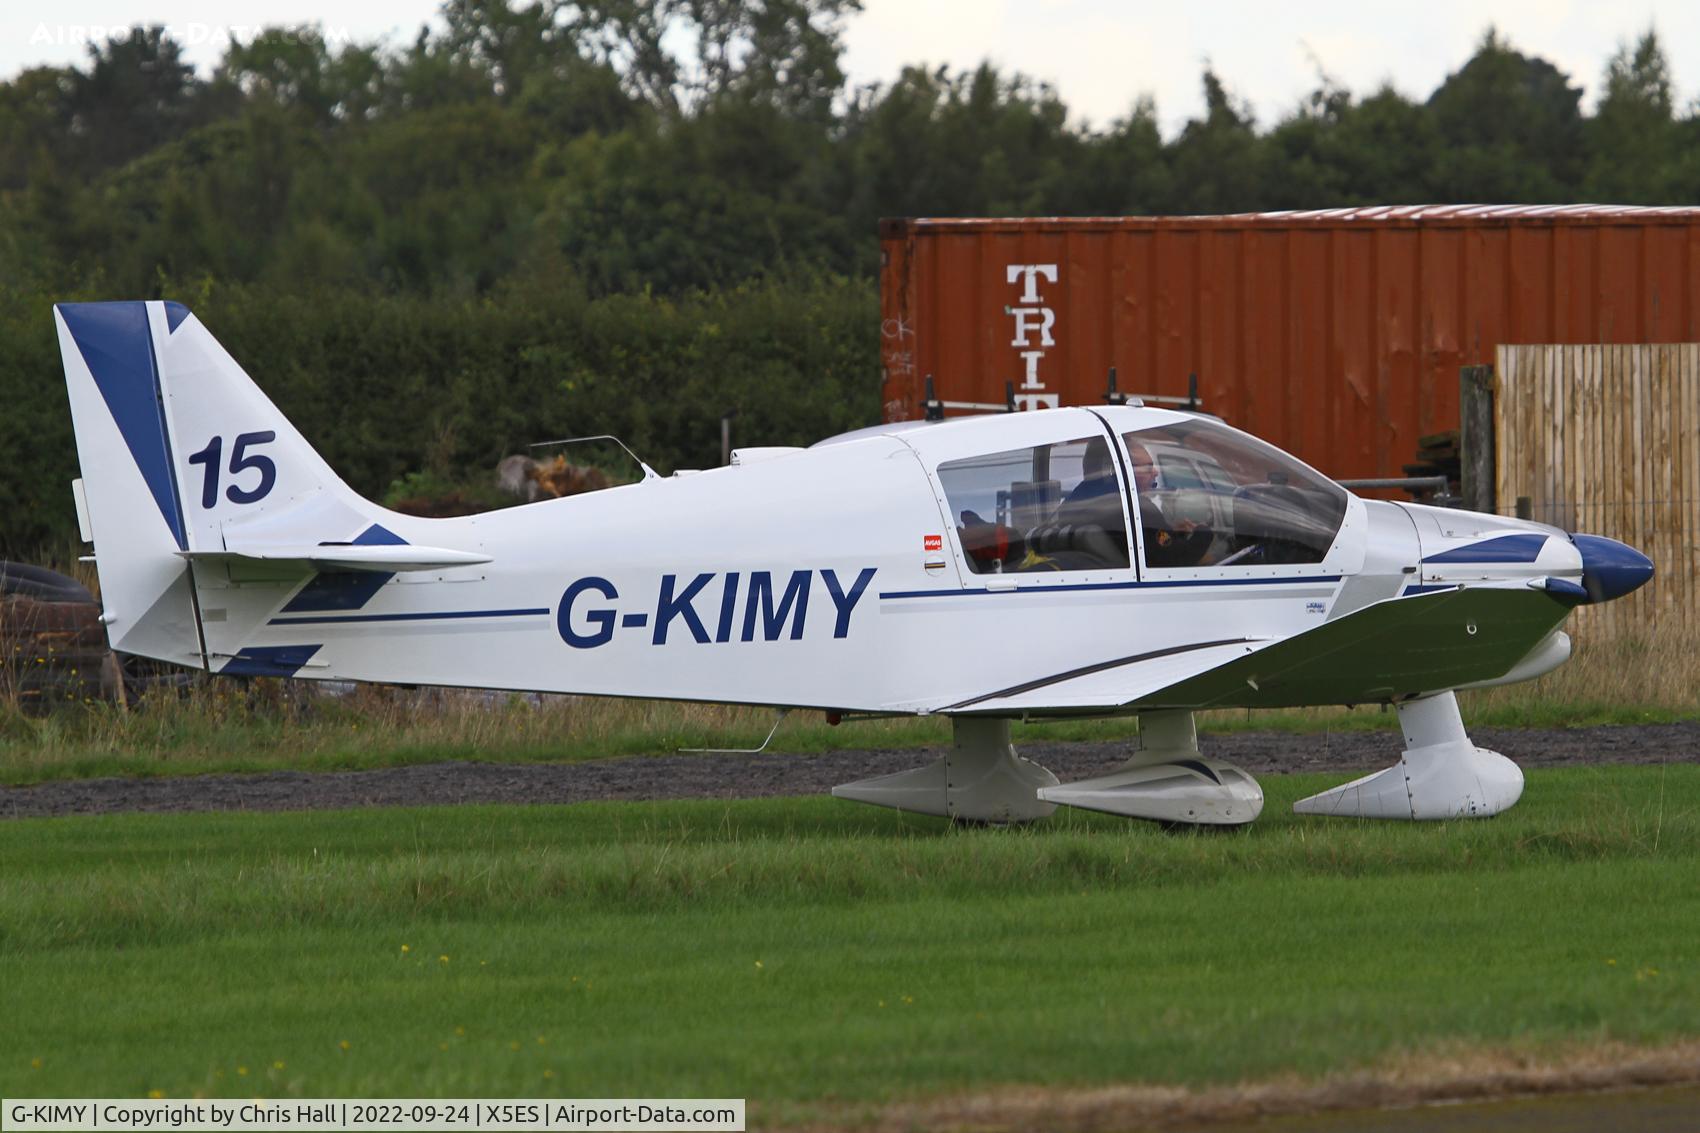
(735, 192)
(1510, 128)
(1124, 170)
(783, 53)
(433, 73)
(1381, 150)
(1217, 161)
(33, 120)
(294, 69)
(974, 143)
(1633, 138)
(1307, 166)
(137, 94)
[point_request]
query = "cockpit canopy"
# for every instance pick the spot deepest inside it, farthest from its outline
(1261, 505)
(1206, 496)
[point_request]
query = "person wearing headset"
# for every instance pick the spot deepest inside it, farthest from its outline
(1167, 543)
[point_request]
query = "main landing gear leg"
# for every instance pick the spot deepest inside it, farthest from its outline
(981, 780)
(1440, 775)
(1167, 780)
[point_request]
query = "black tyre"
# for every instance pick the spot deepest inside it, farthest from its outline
(41, 584)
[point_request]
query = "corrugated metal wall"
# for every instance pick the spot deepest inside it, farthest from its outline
(1337, 335)
(1606, 439)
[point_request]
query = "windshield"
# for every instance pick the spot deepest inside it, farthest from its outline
(1211, 496)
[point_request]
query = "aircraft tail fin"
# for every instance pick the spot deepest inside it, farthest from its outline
(183, 457)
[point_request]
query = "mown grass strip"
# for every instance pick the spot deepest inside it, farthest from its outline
(128, 880)
(804, 952)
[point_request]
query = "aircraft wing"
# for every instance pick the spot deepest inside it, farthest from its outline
(1392, 648)
(1110, 684)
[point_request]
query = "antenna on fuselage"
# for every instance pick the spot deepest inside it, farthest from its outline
(648, 472)
(783, 712)
(1112, 395)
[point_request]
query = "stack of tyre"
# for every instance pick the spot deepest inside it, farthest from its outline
(52, 646)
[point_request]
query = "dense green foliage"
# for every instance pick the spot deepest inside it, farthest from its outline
(807, 951)
(386, 384)
(554, 217)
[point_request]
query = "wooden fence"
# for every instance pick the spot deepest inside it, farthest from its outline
(1606, 440)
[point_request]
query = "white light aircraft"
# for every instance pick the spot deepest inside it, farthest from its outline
(1068, 562)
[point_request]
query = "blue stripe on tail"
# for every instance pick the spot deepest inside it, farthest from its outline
(115, 342)
(346, 589)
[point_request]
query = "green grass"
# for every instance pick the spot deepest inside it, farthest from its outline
(227, 727)
(804, 953)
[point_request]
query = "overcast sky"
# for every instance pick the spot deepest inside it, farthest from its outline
(1099, 54)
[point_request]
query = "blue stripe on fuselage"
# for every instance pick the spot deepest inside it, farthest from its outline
(1164, 584)
(1524, 547)
(445, 615)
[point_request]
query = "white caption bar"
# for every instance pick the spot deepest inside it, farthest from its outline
(700, 1115)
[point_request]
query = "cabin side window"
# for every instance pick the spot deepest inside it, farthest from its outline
(1056, 507)
(1213, 497)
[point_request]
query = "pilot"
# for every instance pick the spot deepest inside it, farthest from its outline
(1168, 543)
(1087, 530)
(1144, 468)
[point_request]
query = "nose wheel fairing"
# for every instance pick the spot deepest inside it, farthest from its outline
(1440, 774)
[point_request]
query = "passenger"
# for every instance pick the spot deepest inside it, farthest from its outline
(1097, 477)
(1178, 543)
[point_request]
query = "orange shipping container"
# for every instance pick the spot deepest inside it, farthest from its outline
(1337, 334)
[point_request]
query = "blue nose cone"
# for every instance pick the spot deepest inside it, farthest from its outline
(1611, 569)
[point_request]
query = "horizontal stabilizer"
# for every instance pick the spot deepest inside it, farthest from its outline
(347, 556)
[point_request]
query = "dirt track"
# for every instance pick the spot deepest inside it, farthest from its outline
(753, 776)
